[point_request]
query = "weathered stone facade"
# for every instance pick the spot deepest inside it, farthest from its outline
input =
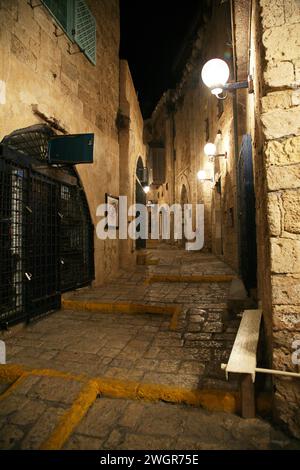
(46, 72)
(271, 116)
(281, 130)
(131, 149)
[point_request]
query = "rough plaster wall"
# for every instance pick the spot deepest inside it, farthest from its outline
(38, 70)
(281, 127)
(131, 148)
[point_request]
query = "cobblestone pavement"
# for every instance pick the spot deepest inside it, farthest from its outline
(30, 415)
(138, 347)
(121, 424)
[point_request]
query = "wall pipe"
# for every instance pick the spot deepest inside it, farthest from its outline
(235, 131)
(271, 371)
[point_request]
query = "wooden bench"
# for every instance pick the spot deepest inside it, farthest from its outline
(243, 360)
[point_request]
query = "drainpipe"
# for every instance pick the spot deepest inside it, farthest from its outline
(235, 132)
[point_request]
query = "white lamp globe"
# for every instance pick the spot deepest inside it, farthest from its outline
(210, 150)
(146, 189)
(201, 175)
(215, 74)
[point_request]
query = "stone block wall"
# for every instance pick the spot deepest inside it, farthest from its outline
(191, 117)
(40, 73)
(280, 117)
(131, 148)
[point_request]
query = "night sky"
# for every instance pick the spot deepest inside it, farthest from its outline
(153, 33)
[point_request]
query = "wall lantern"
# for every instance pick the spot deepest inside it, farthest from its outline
(201, 175)
(146, 189)
(210, 151)
(215, 74)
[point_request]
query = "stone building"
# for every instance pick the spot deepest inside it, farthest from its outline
(46, 79)
(262, 241)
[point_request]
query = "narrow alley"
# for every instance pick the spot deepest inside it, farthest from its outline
(149, 226)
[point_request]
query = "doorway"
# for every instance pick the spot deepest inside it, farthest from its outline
(140, 198)
(246, 211)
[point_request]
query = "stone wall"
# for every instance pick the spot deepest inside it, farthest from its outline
(185, 120)
(131, 148)
(281, 130)
(271, 115)
(39, 72)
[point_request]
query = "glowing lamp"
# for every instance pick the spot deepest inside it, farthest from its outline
(215, 75)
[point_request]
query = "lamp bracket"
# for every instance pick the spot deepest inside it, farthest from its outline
(218, 155)
(240, 84)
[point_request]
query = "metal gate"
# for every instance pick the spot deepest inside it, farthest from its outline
(76, 239)
(247, 224)
(46, 238)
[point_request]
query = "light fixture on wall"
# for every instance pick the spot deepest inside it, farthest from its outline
(215, 74)
(201, 175)
(146, 189)
(210, 151)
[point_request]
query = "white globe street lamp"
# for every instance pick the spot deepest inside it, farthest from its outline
(215, 75)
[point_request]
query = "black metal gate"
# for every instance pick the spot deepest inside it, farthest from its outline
(247, 224)
(76, 239)
(46, 238)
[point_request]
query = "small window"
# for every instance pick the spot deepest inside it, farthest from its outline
(77, 21)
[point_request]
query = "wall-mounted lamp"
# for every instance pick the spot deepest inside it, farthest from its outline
(146, 189)
(210, 151)
(215, 74)
(201, 175)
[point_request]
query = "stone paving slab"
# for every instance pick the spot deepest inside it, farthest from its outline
(125, 425)
(135, 347)
(31, 412)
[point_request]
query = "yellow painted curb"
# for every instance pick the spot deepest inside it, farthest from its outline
(124, 307)
(10, 372)
(192, 278)
(14, 386)
(72, 417)
(212, 400)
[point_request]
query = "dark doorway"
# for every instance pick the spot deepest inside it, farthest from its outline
(247, 223)
(140, 198)
(183, 200)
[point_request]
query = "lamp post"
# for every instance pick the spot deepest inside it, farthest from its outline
(215, 74)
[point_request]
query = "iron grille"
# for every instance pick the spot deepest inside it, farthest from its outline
(46, 238)
(77, 265)
(13, 198)
(31, 140)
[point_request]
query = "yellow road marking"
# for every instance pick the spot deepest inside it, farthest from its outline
(14, 386)
(124, 307)
(72, 417)
(193, 278)
(212, 400)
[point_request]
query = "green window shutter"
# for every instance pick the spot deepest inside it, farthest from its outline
(63, 12)
(85, 30)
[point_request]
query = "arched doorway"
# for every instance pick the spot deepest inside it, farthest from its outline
(183, 201)
(140, 197)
